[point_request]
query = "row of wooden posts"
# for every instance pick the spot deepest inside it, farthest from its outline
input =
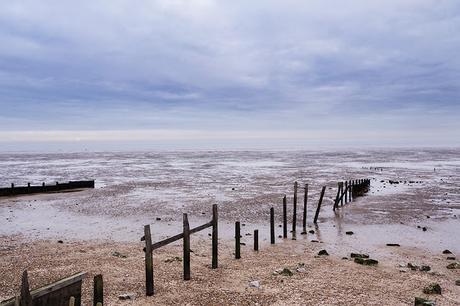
(346, 192)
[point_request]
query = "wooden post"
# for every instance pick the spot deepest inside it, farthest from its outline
(294, 213)
(336, 202)
(341, 193)
(346, 192)
(98, 290)
(25, 298)
(237, 240)
(186, 247)
(215, 238)
(284, 217)
(72, 301)
(304, 219)
(319, 205)
(256, 240)
(148, 262)
(272, 225)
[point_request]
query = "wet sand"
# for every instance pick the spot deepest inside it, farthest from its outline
(134, 189)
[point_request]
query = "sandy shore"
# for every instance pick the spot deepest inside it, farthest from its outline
(326, 280)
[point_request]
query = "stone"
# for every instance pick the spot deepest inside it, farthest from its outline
(366, 262)
(393, 244)
(158, 219)
(172, 259)
(423, 302)
(412, 266)
(323, 252)
(286, 272)
(127, 296)
(357, 255)
(118, 254)
(457, 282)
(311, 231)
(446, 252)
(403, 270)
(425, 268)
(432, 289)
(303, 233)
(349, 233)
(424, 229)
(301, 270)
(314, 241)
(450, 258)
(254, 284)
(60, 241)
(454, 265)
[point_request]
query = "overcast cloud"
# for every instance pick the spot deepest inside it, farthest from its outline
(387, 72)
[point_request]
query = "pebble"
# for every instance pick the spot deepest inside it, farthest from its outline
(127, 296)
(254, 284)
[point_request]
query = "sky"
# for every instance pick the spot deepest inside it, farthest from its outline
(114, 74)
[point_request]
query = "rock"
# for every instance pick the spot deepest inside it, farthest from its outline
(254, 284)
(349, 233)
(286, 272)
(233, 188)
(303, 233)
(393, 244)
(279, 236)
(366, 262)
(345, 258)
(314, 241)
(158, 219)
(425, 268)
(118, 254)
(457, 282)
(301, 270)
(172, 259)
(432, 289)
(280, 225)
(446, 252)
(242, 243)
(60, 241)
(311, 231)
(248, 234)
(450, 258)
(424, 229)
(412, 266)
(127, 296)
(423, 302)
(454, 265)
(323, 252)
(403, 270)
(357, 255)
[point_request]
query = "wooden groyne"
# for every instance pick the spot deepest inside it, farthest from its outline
(43, 188)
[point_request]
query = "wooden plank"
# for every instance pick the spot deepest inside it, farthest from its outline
(98, 290)
(171, 239)
(149, 289)
(186, 247)
(215, 237)
(319, 205)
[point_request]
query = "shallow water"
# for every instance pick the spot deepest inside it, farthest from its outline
(133, 189)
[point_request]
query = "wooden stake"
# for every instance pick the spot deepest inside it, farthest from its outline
(294, 213)
(319, 205)
(215, 239)
(284, 217)
(304, 219)
(186, 247)
(25, 298)
(98, 290)
(72, 301)
(346, 192)
(148, 262)
(237, 240)
(256, 240)
(272, 225)
(336, 202)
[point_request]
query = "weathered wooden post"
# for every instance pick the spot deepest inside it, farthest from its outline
(25, 297)
(336, 202)
(28, 187)
(341, 193)
(186, 247)
(256, 240)
(72, 301)
(346, 192)
(148, 262)
(215, 238)
(98, 290)
(284, 217)
(304, 219)
(272, 225)
(319, 205)
(237, 240)
(294, 213)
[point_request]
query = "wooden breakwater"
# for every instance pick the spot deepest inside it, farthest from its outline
(43, 188)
